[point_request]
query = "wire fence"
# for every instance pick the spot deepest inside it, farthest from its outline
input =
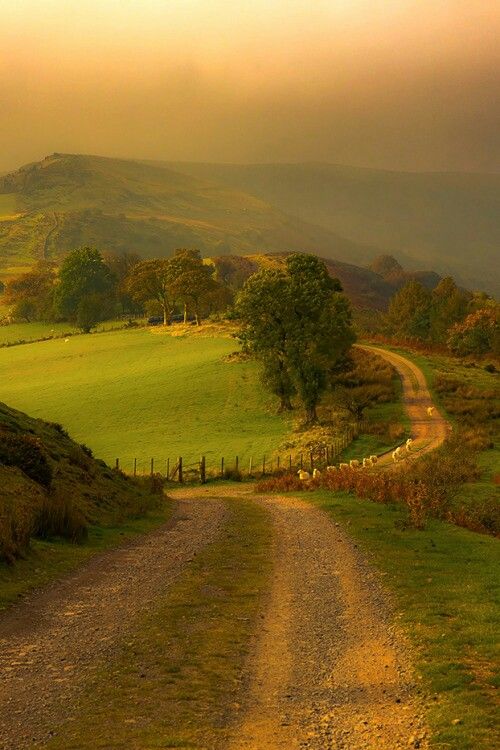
(226, 467)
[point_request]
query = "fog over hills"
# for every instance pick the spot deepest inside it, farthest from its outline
(65, 200)
(445, 221)
(351, 216)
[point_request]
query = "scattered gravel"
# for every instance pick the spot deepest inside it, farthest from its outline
(329, 670)
(52, 644)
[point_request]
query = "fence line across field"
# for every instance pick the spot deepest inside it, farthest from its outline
(178, 470)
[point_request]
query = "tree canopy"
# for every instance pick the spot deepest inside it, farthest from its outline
(297, 322)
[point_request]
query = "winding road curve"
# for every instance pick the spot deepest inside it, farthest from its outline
(327, 669)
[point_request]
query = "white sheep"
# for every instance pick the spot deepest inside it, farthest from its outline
(395, 456)
(343, 466)
(66, 341)
(373, 459)
(409, 443)
(303, 475)
(316, 473)
(331, 469)
(430, 410)
(354, 463)
(367, 463)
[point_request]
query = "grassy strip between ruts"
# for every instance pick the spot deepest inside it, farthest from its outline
(446, 583)
(177, 679)
(49, 560)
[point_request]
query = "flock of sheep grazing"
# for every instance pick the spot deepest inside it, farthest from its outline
(353, 464)
(397, 455)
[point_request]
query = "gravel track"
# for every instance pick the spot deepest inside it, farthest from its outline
(51, 644)
(329, 670)
(428, 432)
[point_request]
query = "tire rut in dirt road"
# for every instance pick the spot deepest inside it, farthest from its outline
(329, 670)
(51, 645)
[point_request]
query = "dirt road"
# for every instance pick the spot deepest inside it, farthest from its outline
(428, 432)
(327, 669)
(52, 643)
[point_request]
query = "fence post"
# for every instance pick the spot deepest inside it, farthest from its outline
(263, 466)
(312, 460)
(222, 467)
(152, 470)
(301, 461)
(117, 463)
(278, 463)
(135, 467)
(290, 462)
(181, 479)
(203, 475)
(168, 468)
(237, 464)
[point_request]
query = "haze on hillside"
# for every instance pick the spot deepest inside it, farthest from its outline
(406, 84)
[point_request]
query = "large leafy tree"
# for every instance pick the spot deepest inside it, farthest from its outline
(154, 280)
(31, 294)
(409, 312)
(194, 281)
(297, 322)
(83, 274)
(449, 305)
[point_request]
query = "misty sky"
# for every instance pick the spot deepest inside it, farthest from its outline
(410, 84)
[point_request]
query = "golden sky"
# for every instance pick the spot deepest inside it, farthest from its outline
(409, 84)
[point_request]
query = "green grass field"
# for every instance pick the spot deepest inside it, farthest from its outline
(136, 394)
(445, 581)
(15, 332)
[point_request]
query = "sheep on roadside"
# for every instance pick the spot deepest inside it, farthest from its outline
(395, 456)
(303, 475)
(316, 473)
(430, 410)
(409, 443)
(331, 469)
(367, 463)
(343, 466)
(373, 459)
(354, 463)
(66, 341)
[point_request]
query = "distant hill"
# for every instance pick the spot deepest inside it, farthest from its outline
(366, 287)
(50, 207)
(448, 222)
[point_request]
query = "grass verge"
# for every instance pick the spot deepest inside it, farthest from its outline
(177, 680)
(49, 560)
(445, 580)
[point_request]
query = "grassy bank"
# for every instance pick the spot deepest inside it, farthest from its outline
(191, 649)
(52, 559)
(445, 581)
(134, 394)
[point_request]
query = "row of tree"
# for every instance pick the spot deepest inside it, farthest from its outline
(90, 287)
(467, 323)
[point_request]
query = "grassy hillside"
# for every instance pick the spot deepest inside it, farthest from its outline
(137, 394)
(64, 201)
(448, 222)
(52, 486)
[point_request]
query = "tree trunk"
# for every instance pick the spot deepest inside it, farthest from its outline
(166, 316)
(185, 313)
(285, 405)
(311, 415)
